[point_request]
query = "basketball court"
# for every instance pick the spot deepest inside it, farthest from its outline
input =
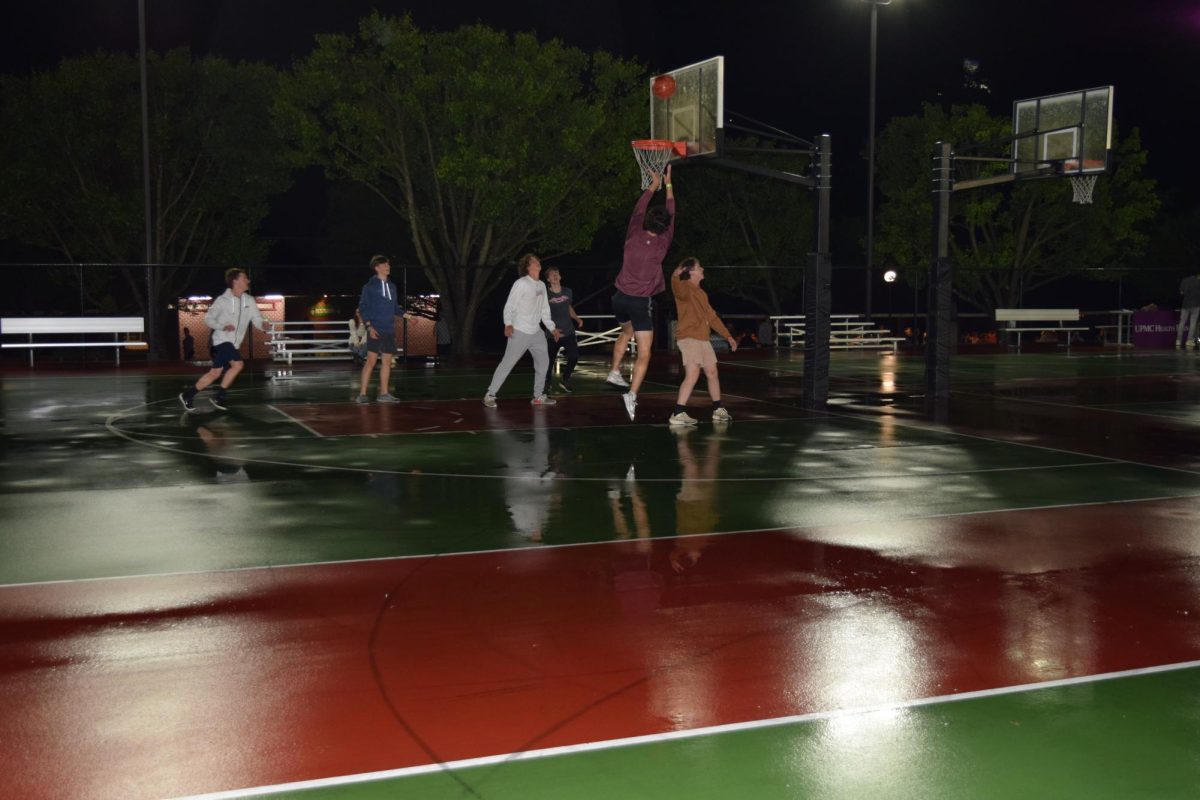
(304, 597)
(889, 576)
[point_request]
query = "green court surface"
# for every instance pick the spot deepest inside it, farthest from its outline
(1108, 739)
(993, 595)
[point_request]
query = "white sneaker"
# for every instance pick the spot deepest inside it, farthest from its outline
(489, 400)
(543, 400)
(630, 404)
(615, 379)
(682, 418)
(721, 415)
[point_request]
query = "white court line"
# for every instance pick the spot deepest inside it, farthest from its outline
(695, 733)
(802, 529)
(295, 421)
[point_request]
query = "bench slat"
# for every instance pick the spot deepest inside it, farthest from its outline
(1037, 314)
(45, 325)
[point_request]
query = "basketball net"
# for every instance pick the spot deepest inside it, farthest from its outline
(652, 156)
(1082, 186)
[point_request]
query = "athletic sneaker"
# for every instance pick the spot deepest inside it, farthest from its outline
(489, 400)
(630, 404)
(362, 399)
(722, 415)
(220, 400)
(543, 400)
(187, 396)
(387, 397)
(682, 418)
(564, 386)
(615, 379)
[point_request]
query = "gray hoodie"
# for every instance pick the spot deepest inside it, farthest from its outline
(236, 311)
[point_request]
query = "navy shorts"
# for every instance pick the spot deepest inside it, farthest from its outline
(638, 310)
(225, 354)
(384, 345)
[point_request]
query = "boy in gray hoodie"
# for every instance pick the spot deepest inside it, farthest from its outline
(229, 316)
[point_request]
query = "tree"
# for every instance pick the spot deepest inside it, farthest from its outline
(1011, 239)
(73, 155)
(482, 144)
(748, 222)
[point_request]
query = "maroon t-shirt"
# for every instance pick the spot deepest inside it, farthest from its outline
(641, 270)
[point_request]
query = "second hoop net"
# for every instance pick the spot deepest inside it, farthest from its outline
(1082, 186)
(653, 155)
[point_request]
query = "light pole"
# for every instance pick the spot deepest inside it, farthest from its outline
(875, 4)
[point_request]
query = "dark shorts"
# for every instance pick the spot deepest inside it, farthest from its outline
(385, 344)
(637, 310)
(225, 354)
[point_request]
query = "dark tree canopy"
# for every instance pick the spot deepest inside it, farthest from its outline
(483, 144)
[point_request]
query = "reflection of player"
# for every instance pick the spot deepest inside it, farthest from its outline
(695, 503)
(528, 480)
(215, 435)
(637, 583)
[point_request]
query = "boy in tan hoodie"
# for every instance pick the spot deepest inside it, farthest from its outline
(696, 318)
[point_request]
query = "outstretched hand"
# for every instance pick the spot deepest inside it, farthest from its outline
(656, 182)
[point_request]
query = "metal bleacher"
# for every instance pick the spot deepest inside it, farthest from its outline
(846, 332)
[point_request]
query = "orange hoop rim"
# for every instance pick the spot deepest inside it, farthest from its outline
(680, 148)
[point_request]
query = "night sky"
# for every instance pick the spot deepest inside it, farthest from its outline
(801, 65)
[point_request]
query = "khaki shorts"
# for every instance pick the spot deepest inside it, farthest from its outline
(697, 351)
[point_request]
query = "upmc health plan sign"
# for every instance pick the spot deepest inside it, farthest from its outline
(1153, 329)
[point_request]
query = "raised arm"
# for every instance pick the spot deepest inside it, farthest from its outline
(639, 213)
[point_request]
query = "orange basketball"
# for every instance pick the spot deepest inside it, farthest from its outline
(663, 87)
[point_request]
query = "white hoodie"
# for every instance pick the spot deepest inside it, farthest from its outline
(236, 311)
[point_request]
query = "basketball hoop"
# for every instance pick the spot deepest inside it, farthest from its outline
(652, 156)
(1082, 186)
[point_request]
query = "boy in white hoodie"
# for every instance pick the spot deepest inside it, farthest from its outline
(229, 316)
(524, 312)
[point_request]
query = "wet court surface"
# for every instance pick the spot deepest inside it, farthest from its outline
(434, 599)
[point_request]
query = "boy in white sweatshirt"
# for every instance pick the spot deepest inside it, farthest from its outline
(525, 308)
(229, 316)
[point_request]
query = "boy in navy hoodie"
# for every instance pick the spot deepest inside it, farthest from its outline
(379, 305)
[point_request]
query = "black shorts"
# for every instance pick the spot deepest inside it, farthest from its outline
(638, 310)
(385, 344)
(225, 354)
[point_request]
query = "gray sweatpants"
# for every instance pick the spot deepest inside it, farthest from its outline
(1184, 315)
(518, 344)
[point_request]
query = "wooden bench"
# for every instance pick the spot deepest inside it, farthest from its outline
(1058, 316)
(89, 327)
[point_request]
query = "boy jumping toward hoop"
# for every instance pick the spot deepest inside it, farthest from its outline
(696, 317)
(647, 240)
(229, 317)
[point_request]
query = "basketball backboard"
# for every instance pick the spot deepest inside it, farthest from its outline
(1070, 133)
(695, 111)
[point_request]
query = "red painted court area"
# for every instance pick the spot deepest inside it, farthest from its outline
(185, 684)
